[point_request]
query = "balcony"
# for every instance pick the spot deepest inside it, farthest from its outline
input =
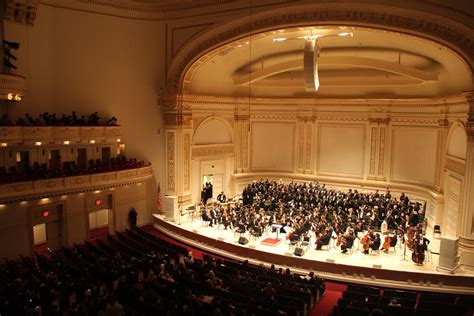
(55, 134)
(16, 191)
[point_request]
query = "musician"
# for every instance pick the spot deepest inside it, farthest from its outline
(213, 215)
(221, 197)
(375, 243)
(323, 239)
(348, 241)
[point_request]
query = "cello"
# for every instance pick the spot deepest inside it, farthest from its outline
(365, 241)
(418, 255)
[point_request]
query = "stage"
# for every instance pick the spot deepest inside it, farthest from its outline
(390, 269)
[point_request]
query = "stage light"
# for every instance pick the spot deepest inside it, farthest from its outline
(92, 141)
(7, 55)
(38, 143)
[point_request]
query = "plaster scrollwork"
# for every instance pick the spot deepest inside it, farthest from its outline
(170, 142)
(470, 132)
(309, 133)
(443, 122)
(241, 117)
(186, 163)
(373, 148)
(178, 120)
(381, 151)
(379, 120)
(213, 150)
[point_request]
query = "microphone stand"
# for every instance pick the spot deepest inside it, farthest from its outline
(404, 256)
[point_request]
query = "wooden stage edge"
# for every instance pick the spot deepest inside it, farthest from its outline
(436, 282)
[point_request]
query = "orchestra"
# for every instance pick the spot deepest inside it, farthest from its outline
(300, 209)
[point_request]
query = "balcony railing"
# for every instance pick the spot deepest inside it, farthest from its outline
(24, 134)
(15, 190)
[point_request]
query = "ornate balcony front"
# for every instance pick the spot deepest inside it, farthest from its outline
(35, 189)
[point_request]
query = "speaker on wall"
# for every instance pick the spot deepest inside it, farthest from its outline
(243, 241)
(299, 252)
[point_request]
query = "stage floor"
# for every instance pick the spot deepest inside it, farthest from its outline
(393, 260)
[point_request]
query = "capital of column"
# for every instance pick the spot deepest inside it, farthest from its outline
(241, 117)
(379, 120)
(178, 120)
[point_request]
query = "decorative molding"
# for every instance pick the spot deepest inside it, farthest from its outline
(455, 166)
(443, 122)
(212, 150)
(416, 22)
(241, 117)
(379, 120)
(309, 142)
(301, 148)
(178, 120)
(470, 132)
(21, 11)
(381, 150)
(373, 149)
(17, 192)
(170, 149)
(186, 162)
(53, 134)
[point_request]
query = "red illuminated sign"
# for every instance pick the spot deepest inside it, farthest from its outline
(98, 202)
(45, 214)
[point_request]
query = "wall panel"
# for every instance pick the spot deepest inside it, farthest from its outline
(414, 154)
(341, 149)
(272, 147)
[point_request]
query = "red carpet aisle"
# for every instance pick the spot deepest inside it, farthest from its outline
(329, 300)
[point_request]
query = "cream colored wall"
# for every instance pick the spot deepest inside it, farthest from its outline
(414, 155)
(272, 146)
(341, 150)
(85, 62)
(16, 219)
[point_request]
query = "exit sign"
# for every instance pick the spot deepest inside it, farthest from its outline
(45, 214)
(98, 202)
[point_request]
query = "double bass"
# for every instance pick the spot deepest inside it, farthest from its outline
(420, 246)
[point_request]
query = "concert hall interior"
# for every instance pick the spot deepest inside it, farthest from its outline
(331, 138)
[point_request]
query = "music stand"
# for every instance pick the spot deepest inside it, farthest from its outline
(277, 227)
(404, 256)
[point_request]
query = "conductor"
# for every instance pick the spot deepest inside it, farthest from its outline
(221, 197)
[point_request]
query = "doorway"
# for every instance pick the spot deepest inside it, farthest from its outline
(99, 223)
(39, 238)
(212, 185)
(47, 227)
(82, 158)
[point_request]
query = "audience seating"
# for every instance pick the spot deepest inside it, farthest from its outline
(146, 275)
(362, 300)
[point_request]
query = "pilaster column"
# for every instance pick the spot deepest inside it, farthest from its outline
(178, 120)
(443, 128)
(466, 236)
(378, 132)
(242, 136)
(304, 139)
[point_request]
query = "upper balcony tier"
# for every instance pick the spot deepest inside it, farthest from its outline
(35, 189)
(57, 134)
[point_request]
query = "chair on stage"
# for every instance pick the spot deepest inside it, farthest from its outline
(294, 240)
(306, 242)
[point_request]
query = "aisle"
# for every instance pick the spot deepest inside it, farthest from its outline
(329, 300)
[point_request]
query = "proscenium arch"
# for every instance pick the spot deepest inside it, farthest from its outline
(416, 21)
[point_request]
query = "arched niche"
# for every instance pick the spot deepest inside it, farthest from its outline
(457, 142)
(212, 131)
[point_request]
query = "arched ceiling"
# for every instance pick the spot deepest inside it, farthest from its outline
(372, 63)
